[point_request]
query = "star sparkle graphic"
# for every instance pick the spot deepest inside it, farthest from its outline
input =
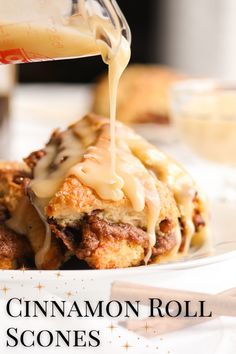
(23, 269)
(39, 286)
(69, 294)
(58, 275)
(126, 346)
(111, 327)
(147, 327)
(5, 290)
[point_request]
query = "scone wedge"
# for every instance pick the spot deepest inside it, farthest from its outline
(151, 211)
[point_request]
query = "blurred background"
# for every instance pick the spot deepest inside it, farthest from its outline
(197, 37)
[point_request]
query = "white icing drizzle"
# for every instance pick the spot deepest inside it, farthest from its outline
(116, 163)
(174, 176)
(47, 180)
(42, 252)
(92, 167)
(88, 148)
(131, 179)
(45, 183)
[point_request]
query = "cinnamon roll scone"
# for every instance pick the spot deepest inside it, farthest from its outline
(141, 208)
(22, 232)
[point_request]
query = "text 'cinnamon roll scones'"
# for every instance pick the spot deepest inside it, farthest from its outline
(149, 211)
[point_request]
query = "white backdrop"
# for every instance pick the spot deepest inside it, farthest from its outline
(198, 36)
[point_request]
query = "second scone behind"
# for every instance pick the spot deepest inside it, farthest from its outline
(143, 94)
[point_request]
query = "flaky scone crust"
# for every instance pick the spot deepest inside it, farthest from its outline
(73, 200)
(31, 233)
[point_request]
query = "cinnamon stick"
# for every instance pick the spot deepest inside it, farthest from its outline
(219, 305)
